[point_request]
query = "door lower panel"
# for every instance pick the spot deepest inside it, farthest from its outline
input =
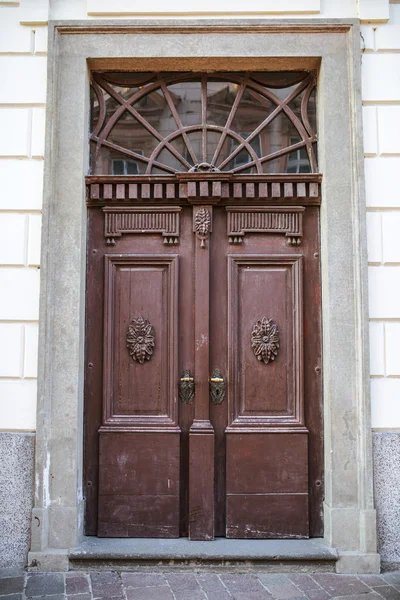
(267, 485)
(139, 485)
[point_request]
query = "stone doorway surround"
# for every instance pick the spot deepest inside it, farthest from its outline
(331, 47)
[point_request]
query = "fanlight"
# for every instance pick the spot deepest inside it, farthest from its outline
(151, 123)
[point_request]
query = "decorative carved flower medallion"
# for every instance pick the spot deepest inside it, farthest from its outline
(140, 339)
(265, 340)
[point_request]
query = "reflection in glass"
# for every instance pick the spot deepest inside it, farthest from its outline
(234, 122)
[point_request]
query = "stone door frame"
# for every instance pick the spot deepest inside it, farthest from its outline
(331, 47)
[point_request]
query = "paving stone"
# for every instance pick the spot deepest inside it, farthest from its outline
(104, 578)
(87, 596)
(393, 577)
(149, 593)
(106, 585)
(12, 585)
(372, 580)
(211, 583)
(388, 592)
(11, 596)
(44, 584)
(273, 579)
(304, 582)
(107, 591)
(220, 595)
(142, 579)
(341, 585)
(317, 594)
(264, 595)
(182, 581)
(369, 596)
(190, 595)
(284, 590)
(242, 583)
(76, 585)
(11, 572)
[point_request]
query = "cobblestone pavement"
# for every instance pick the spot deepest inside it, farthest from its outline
(196, 586)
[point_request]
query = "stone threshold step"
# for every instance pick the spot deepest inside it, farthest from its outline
(125, 554)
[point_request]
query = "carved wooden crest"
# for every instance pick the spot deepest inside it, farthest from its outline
(265, 340)
(202, 224)
(140, 339)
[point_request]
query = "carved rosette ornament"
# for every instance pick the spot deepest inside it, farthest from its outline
(265, 340)
(202, 225)
(140, 339)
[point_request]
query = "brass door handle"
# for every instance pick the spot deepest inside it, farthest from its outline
(186, 388)
(217, 387)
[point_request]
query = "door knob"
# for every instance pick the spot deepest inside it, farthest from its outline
(217, 387)
(186, 387)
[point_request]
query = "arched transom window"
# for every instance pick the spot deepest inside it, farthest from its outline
(165, 123)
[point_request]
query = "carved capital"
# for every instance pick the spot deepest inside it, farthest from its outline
(277, 219)
(121, 220)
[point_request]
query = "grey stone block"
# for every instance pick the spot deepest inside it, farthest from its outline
(137, 580)
(386, 447)
(12, 585)
(190, 595)
(76, 585)
(149, 593)
(44, 584)
(242, 583)
(16, 497)
(182, 582)
(388, 592)
(317, 595)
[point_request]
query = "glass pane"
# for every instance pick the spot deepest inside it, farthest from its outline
(252, 110)
(243, 156)
(163, 125)
(220, 98)
(187, 101)
(289, 163)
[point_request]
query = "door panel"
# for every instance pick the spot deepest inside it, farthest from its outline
(267, 516)
(141, 332)
(139, 496)
(264, 432)
(264, 292)
(139, 470)
(267, 485)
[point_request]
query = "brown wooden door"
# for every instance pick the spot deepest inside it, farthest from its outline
(265, 341)
(203, 292)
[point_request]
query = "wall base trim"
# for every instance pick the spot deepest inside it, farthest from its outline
(356, 562)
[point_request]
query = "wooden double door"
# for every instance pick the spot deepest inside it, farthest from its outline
(203, 371)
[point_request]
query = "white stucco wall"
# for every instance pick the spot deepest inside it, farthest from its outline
(23, 37)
